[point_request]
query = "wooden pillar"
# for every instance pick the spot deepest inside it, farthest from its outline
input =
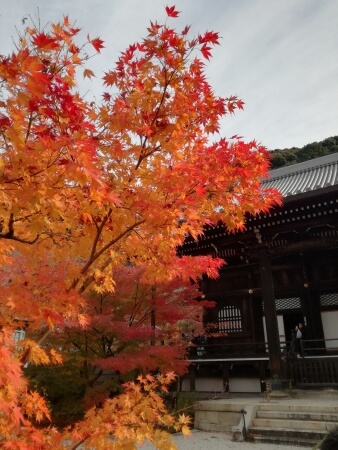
(268, 294)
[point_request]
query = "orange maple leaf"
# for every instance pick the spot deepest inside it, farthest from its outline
(88, 73)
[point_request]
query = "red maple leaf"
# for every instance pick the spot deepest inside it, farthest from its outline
(200, 190)
(97, 43)
(4, 122)
(209, 37)
(186, 30)
(206, 51)
(106, 96)
(234, 102)
(43, 41)
(171, 11)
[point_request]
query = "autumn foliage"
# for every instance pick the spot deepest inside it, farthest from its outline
(88, 189)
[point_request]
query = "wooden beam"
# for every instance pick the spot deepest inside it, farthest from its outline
(304, 246)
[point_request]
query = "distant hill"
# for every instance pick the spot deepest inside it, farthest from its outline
(294, 155)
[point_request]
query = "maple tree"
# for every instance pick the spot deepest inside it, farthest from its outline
(138, 328)
(87, 188)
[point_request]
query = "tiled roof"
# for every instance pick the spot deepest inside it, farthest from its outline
(305, 177)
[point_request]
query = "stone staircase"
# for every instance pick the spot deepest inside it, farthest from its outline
(303, 425)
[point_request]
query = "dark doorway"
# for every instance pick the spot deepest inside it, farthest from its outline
(290, 322)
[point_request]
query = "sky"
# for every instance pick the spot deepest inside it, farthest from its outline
(279, 56)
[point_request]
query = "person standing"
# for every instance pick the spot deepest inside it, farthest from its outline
(301, 335)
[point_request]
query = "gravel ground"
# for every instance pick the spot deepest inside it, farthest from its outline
(202, 440)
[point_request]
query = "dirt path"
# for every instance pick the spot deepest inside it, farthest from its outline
(201, 440)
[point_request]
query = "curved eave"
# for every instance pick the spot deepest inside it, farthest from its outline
(309, 178)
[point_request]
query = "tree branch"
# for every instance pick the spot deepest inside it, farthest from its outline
(10, 232)
(88, 281)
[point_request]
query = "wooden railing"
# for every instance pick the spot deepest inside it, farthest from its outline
(204, 349)
(318, 367)
(314, 372)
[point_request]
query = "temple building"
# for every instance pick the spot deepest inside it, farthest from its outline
(280, 271)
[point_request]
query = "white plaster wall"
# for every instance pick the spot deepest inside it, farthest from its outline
(330, 325)
(281, 329)
(204, 385)
(244, 385)
(216, 385)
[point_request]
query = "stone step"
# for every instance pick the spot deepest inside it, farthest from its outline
(285, 440)
(304, 425)
(327, 409)
(293, 424)
(298, 415)
(285, 434)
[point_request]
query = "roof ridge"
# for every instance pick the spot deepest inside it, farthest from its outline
(311, 175)
(307, 169)
(302, 167)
